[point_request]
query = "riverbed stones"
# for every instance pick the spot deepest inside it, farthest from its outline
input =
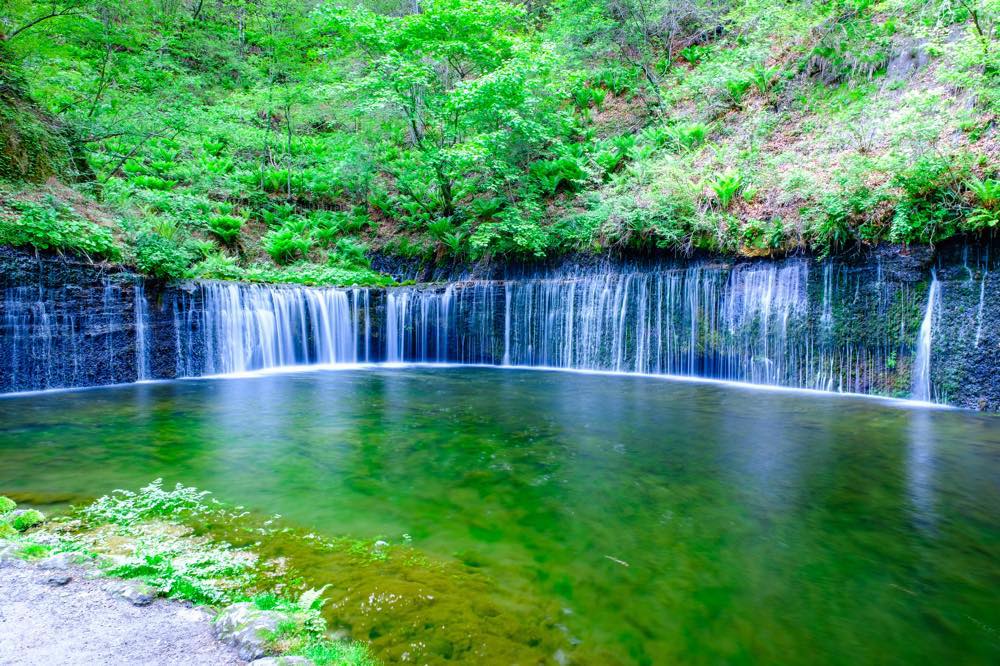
(135, 592)
(9, 552)
(58, 579)
(59, 561)
(248, 629)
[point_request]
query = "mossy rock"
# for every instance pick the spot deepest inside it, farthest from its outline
(26, 519)
(7, 505)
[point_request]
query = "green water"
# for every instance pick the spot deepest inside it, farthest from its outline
(580, 518)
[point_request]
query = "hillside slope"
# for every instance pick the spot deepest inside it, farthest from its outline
(283, 141)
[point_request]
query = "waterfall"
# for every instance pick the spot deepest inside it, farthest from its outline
(244, 327)
(922, 362)
(141, 333)
(979, 310)
(798, 323)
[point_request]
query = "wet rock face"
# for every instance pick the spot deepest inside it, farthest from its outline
(63, 323)
(848, 325)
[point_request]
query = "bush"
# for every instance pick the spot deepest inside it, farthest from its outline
(726, 187)
(553, 174)
(226, 227)
(160, 257)
(54, 226)
(26, 520)
(289, 242)
(930, 206)
(688, 136)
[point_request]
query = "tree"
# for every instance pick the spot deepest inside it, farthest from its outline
(465, 78)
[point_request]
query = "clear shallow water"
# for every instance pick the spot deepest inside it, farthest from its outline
(660, 521)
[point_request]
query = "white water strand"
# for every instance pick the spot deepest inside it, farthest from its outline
(141, 333)
(252, 327)
(921, 389)
(979, 315)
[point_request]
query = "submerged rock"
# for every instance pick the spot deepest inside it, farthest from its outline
(248, 629)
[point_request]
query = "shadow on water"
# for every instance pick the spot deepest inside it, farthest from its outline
(611, 519)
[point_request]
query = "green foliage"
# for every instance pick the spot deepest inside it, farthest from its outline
(763, 77)
(553, 174)
(474, 127)
(6, 504)
(127, 507)
(516, 231)
(26, 520)
(929, 209)
(291, 241)
(688, 136)
(226, 227)
(986, 214)
(160, 256)
(726, 187)
(54, 226)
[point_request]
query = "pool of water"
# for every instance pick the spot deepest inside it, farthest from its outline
(641, 520)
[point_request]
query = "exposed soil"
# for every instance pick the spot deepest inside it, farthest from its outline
(82, 622)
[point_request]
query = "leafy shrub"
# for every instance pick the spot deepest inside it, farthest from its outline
(26, 520)
(289, 242)
(987, 192)
(160, 257)
(552, 174)
(688, 136)
(350, 253)
(726, 187)
(696, 53)
(487, 208)
(453, 241)
(736, 89)
(586, 97)
(439, 228)
(153, 183)
(618, 80)
(762, 78)
(126, 507)
(930, 206)
(226, 227)
(986, 215)
(55, 226)
(516, 231)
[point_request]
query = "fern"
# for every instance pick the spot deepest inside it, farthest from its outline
(312, 599)
(726, 187)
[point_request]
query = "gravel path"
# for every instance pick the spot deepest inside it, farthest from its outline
(81, 622)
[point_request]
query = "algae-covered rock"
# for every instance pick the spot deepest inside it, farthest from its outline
(248, 629)
(6, 505)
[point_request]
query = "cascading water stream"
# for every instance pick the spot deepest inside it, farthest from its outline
(251, 327)
(142, 342)
(792, 323)
(922, 362)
